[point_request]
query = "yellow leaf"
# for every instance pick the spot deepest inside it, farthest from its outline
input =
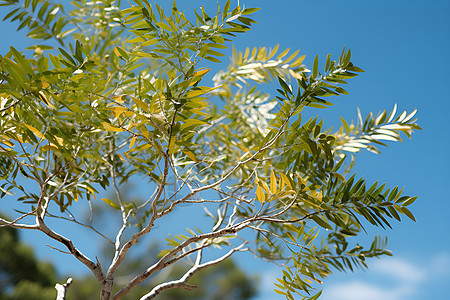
(110, 127)
(298, 61)
(295, 74)
(285, 181)
(59, 140)
(120, 99)
(111, 203)
(191, 123)
(197, 76)
(7, 142)
(201, 72)
(133, 140)
(19, 139)
(200, 90)
(117, 110)
(141, 104)
(135, 40)
(302, 180)
(148, 43)
(35, 131)
(191, 155)
(265, 186)
(273, 182)
(172, 146)
(45, 100)
(283, 54)
(92, 191)
(260, 194)
(146, 134)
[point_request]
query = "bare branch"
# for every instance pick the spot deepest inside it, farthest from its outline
(135, 238)
(164, 261)
(182, 282)
(95, 268)
(13, 224)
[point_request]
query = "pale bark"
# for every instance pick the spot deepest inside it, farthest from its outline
(62, 289)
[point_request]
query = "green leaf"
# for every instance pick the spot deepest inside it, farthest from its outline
(111, 203)
(249, 11)
(408, 213)
(315, 66)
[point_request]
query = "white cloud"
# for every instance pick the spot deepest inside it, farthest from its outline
(358, 290)
(440, 264)
(399, 269)
(389, 278)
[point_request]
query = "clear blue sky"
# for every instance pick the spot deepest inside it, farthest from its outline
(403, 47)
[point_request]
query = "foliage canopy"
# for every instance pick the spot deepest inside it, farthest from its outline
(114, 95)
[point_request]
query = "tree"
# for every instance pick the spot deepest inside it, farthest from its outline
(113, 95)
(21, 272)
(23, 276)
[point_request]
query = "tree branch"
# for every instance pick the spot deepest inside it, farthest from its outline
(182, 282)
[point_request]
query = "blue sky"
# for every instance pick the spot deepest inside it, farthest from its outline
(403, 46)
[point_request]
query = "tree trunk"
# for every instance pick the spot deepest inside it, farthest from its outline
(106, 292)
(62, 289)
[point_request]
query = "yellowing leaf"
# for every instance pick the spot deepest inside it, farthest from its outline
(7, 142)
(19, 139)
(201, 72)
(120, 52)
(117, 110)
(145, 133)
(136, 40)
(92, 191)
(260, 194)
(295, 74)
(120, 99)
(42, 95)
(141, 104)
(302, 180)
(59, 140)
(131, 125)
(191, 123)
(35, 131)
(49, 147)
(285, 181)
(197, 76)
(111, 203)
(110, 127)
(297, 62)
(191, 155)
(172, 146)
(133, 140)
(273, 182)
(200, 90)
(264, 186)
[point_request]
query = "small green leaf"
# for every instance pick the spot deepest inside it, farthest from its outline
(408, 213)
(111, 203)
(315, 67)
